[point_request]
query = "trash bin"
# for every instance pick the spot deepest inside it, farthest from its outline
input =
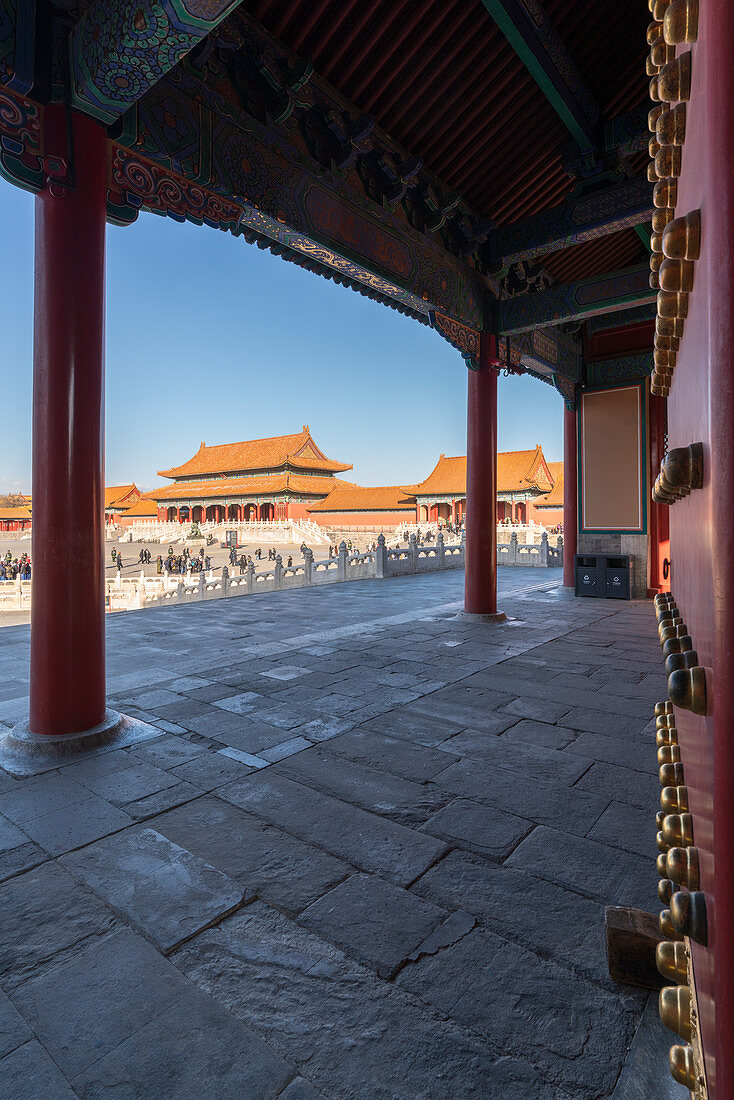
(586, 570)
(616, 573)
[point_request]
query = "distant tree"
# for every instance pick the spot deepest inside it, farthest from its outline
(12, 500)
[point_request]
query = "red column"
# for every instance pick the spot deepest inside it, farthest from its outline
(67, 690)
(480, 584)
(570, 496)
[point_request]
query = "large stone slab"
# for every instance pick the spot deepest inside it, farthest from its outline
(483, 829)
(420, 728)
(158, 886)
(593, 869)
(115, 987)
(524, 907)
(637, 754)
(139, 1029)
(271, 864)
(391, 754)
(44, 914)
(379, 924)
(536, 763)
(13, 1029)
(365, 840)
(625, 785)
(541, 734)
(365, 785)
(28, 1072)
(576, 1033)
(75, 825)
(645, 1071)
(357, 1034)
(515, 793)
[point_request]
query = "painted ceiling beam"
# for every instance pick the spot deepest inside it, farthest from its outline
(575, 301)
(584, 217)
(120, 51)
(538, 45)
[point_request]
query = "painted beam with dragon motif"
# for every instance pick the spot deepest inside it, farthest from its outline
(574, 301)
(585, 217)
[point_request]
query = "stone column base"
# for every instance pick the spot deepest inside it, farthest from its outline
(481, 617)
(24, 753)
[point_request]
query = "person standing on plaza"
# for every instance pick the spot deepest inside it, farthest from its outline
(119, 562)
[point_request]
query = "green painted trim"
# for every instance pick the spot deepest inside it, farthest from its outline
(537, 72)
(644, 235)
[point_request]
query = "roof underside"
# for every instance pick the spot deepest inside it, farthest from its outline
(442, 80)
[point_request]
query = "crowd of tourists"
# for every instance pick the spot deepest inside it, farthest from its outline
(11, 568)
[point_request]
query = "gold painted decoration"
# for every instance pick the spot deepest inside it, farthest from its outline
(682, 866)
(671, 775)
(682, 237)
(675, 1009)
(659, 9)
(671, 126)
(654, 92)
(673, 305)
(650, 67)
(682, 1065)
(678, 828)
(674, 800)
(665, 706)
(680, 22)
(666, 889)
(674, 79)
(676, 275)
(653, 147)
(660, 218)
(666, 343)
(668, 162)
(661, 53)
(652, 176)
(669, 326)
(688, 914)
(672, 960)
(667, 931)
(653, 115)
(669, 754)
(654, 31)
(665, 193)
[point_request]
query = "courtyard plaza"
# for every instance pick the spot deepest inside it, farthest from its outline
(364, 851)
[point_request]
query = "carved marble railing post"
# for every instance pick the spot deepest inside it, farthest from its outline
(202, 580)
(179, 591)
(413, 547)
(278, 571)
(342, 561)
(250, 575)
(513, 548)
(381, 557)
(559, 548)
(440, 551)
(544, 548)
(225, 581)
(308, 565)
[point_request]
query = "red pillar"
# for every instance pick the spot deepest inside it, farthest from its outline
(67, 689)
(570, 496)
(480, 584)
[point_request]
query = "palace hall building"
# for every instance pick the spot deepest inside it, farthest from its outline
(524, 480)
(259, 479)
(118, 499)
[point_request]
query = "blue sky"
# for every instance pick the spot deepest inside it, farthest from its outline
(209, 338)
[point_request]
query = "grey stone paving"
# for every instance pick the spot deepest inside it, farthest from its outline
(367, 857)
